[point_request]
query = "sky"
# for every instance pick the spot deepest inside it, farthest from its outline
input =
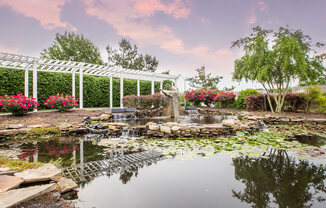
(182, 34)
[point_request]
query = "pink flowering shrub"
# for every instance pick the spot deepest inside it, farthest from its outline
(224, 98)
(209, 97)
(18, 104)
(61, 103)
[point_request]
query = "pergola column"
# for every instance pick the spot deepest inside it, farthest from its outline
(138, 87)
(121, 92)
(161, 86)
(73, 86)
(153, 88)
(26, 82)
(185, 89)
(81, 103)
(111, 91)
(35, 82)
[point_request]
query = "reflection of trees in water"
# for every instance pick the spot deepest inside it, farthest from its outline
(292, 183)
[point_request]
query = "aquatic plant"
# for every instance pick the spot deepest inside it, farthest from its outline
(18, 104)
(61, 103)
(17, 165)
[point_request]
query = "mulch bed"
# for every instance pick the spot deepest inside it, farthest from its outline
(76, 116)
(53, 117)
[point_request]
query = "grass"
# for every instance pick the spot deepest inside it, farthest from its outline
(17, 165)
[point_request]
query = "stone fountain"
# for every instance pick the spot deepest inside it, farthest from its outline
(173, 109)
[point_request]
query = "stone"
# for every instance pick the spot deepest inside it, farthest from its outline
(112, 127)
(9, 182)
(166, 129)
(17, 196)
(154, 127)
(14, 126)
(66, 185)
(64, 126)
(175, 128)
(39, 126)
(230, 122)
(42, 173)
(105, 117)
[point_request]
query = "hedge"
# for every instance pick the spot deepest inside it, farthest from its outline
(243, 94)
(96, 89)
(293, 102)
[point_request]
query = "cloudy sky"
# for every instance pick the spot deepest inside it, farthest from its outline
(182, 34)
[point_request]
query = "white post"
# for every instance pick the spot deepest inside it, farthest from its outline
(35, 82)
(26, 82)
(81, 103)
(153, 88)
(111, 91)
(176, 84)
(161, 86)
(121, 92)
(73, 84)
(185, 89)
(138, 87)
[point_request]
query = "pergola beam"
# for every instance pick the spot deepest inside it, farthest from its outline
(13, 61)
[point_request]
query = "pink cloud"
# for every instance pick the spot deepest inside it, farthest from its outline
(8, 50)
(262, 6)
(46, 12)
(177, 8)
(131, 19)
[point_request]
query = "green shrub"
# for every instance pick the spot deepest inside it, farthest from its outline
(96, 89)
(240, 101)
(312, 97)
(39, 132)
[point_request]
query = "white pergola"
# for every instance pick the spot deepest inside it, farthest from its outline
(27, 63)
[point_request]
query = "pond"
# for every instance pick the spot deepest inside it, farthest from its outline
(191, 173)
(189, 119)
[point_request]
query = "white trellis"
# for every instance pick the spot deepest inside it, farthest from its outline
(27, 63)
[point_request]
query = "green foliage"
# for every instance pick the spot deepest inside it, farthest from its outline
(203, 80)
(274, 62)
(312, 97)
(17, 165)
(39, 132)
(127, 57)
(96, 89)
(240, 102)
(72, 47)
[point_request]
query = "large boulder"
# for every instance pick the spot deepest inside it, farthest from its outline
(9, 182)
(66, 185)
(17, 196)
(43, 173)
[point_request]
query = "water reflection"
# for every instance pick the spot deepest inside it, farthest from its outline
(69, 151)
(281, 179)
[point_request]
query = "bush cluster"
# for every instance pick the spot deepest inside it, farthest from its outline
(96, 89)
(240, 102)
(209, 97)
(61, 103)
(18, 104)
(293, 102)
(145, 101)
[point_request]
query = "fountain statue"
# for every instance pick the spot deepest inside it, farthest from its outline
(173, 109)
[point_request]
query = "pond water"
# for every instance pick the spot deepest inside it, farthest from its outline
(190, 119)
(205, 179)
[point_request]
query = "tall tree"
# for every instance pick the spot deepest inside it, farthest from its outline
(203, 80)
(127, 57)
(274, 59)
(72, 47)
